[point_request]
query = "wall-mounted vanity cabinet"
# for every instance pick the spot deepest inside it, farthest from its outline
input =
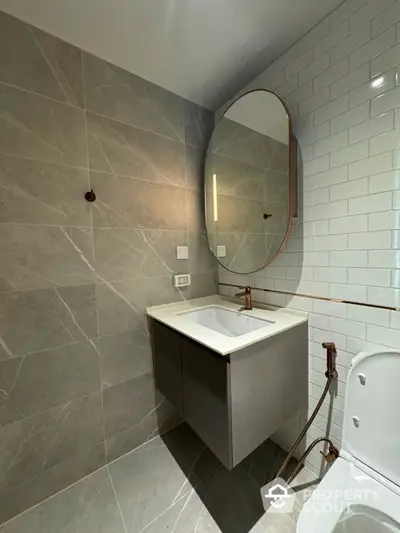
(233, 401)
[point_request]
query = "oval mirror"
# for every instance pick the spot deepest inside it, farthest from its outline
(248, 203)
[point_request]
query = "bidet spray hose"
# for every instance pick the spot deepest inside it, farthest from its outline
(331, 374)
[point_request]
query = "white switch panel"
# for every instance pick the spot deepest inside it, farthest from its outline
(221, 250)
(182, 252)
(181, 280)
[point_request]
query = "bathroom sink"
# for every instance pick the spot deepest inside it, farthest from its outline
(224, 321)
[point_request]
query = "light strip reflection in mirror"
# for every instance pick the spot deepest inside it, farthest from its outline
(215, 198)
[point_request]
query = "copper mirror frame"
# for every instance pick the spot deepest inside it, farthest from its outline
(292, 183)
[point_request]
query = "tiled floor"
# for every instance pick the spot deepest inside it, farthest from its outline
(173, 484)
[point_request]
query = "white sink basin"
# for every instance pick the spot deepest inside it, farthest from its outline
(229, 323)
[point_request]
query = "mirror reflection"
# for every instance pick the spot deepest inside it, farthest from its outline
(247, 191)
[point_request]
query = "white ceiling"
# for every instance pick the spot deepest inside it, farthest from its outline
(203, 50)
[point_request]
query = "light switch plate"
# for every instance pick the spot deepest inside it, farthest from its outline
(221, 250)
(181, 280)
(182, 252)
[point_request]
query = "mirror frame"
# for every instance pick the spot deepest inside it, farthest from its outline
(292, 155)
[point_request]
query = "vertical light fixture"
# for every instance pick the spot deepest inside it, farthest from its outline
(215, 198)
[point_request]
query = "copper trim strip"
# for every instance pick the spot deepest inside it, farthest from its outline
(324, 298)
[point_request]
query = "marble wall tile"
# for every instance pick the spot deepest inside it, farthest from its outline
(199, 124)
(119, 94)
(195, 160)
(201, 259)
(122, 149)
(18, 498)
(76, 278)
(35, 127)
(41, 319)
(124, 356)
(204, 284)
(80, 305)
(65, 62)
(124, 254)
(36, 257)
(34, 192)
(195, 219)
(128, 403)
(133, 203)
(122, 305)
(4, 353)
(45, 379)
(162, 418)
(39, 62)
(34, 444)
(117, 310)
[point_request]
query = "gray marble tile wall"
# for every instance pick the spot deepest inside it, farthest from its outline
(76, 386)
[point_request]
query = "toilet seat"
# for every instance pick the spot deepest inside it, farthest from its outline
(323, 511)
(369, 462)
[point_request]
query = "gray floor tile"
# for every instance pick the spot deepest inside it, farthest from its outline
(150, 480)
(88, 507)
(171, 484)
(19, 498)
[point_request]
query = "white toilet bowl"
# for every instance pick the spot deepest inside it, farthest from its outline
(361, 491)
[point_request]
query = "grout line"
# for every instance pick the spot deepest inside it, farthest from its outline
(58, 81)
(93, 170)
(62, 102)
(130, 125)
(99, 358)
(116, 498)
(69, 104)
(97, 281)
(56, 163)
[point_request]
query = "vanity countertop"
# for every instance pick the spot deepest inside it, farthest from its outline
(173, 316)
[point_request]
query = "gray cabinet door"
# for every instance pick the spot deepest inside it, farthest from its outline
(168, 364)
(206, 398)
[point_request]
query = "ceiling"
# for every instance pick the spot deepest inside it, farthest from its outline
(203, 50)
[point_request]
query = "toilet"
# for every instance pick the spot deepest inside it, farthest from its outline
(361, 491)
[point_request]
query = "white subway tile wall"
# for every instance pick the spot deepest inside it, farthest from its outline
(341, 82)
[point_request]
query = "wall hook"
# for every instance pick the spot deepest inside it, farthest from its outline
(90, 196)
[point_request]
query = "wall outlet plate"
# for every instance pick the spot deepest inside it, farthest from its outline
(221, 250)
(181, 280)
(182, 252)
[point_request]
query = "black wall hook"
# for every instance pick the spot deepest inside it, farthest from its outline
(90, 196)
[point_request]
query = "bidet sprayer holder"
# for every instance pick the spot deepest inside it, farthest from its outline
(332, 455)
(330, 359)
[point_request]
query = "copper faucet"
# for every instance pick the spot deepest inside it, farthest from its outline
(247, 299)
